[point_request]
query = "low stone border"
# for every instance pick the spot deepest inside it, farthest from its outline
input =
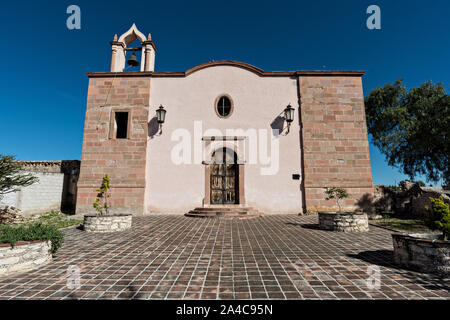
(423, 252)
(24, 256)
(344, 222)
(109, 223)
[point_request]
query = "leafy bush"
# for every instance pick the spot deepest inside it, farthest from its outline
(31, 232)
(420, 183)
(102, 196)
(439, 216)
(336, 193)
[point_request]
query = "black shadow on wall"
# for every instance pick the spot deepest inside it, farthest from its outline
(153, 127)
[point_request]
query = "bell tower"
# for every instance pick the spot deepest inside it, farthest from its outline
(116, 127)
(119, 48)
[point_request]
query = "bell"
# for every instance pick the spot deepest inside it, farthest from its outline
(133, 61)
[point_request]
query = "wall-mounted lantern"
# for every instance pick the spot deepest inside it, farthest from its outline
(289, 116)
(161, 117)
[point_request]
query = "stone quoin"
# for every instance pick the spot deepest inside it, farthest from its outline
(271, 165)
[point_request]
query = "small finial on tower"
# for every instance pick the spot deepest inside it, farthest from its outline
(149, 37)
(115, 37)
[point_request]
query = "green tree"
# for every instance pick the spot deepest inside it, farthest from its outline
(12, 176)
(336, 193)
(102, 196)
(439, 216)
(411, 128)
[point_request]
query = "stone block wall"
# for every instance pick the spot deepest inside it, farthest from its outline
(411, 200)
(335, 143)
(422, 252)
(55, 190)
(110, 223)
(422, 200)
(122, 159)
(23, 256)
(42, 196)
(344, 222)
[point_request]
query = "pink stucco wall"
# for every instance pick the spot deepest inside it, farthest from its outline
(178, 188)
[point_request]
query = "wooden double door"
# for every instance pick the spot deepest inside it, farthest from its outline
(224, 178)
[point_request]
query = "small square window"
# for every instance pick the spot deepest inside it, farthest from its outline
(120, 125)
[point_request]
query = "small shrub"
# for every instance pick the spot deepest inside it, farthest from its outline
(336, 193)
(31, 232)
(102, 196)
(439, 216)
(420, 183)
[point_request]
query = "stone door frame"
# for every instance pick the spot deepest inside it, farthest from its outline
(211, 145)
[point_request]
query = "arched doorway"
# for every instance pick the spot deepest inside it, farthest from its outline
(224, 177)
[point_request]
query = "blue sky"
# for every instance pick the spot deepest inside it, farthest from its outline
(43, 83)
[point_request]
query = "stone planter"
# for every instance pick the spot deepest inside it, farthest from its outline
(344, 221)
(24, 256)
(107, 223)
(423, 252)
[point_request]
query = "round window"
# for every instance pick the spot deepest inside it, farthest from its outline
(224, 106)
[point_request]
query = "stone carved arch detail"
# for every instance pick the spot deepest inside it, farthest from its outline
(132, 34)
(212, 146)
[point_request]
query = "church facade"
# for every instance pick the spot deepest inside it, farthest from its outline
(233, 136)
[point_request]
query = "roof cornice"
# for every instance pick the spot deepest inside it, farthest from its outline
(238, 64)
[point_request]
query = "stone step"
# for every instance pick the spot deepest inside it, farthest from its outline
(224, 216)
(219, 213)
(225, 212)
(225, 209)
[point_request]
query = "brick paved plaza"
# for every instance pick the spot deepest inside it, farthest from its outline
(272, 257)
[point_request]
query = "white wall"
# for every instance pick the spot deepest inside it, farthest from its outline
(42, 196)
(257, 101)
(10, 199)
